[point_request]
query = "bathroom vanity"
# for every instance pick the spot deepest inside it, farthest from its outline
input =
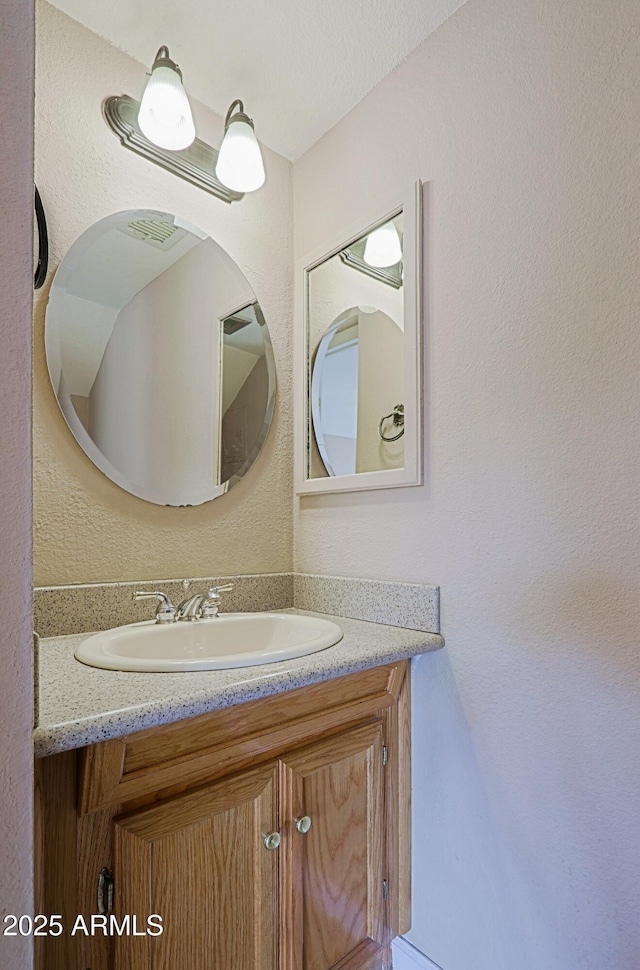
(273, 833)
(258, 816)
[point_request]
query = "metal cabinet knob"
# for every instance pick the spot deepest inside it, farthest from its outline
(272, 841)
(303, 824)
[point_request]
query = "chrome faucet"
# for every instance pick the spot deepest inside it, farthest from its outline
(189, 609)
(200, 607)
(196, 607)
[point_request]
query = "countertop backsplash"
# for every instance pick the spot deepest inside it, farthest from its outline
(65, 610)
(415, 606)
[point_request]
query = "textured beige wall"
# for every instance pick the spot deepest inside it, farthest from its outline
(523, 118)
(86, 528)
(16, 281)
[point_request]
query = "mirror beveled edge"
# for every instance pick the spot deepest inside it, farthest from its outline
(412, 472)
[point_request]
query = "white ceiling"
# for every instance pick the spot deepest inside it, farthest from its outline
(299, 65)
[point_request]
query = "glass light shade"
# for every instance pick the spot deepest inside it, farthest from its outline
(383, 247)
(165, 113)
(240, 166)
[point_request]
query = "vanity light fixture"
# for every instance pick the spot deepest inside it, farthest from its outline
(161, 129)
(165, 113)
(240, 166)
(383, 247)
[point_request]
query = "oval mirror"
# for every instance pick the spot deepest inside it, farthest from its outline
(357, 377)
(160, 358)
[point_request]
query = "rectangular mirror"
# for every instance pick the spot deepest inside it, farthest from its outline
(359, 357)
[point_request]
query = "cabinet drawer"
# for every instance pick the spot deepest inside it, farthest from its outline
(200, 749)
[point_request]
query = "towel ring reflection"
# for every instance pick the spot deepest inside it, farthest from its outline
(398, 422)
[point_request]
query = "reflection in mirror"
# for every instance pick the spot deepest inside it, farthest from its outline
(358, 370)
(160, 358)
(359, 406)
(356, 341)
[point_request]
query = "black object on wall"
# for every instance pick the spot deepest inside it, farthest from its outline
(43, 243)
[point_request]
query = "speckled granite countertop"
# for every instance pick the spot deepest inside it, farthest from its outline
(80, 705)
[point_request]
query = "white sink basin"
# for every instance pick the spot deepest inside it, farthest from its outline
(230, 640)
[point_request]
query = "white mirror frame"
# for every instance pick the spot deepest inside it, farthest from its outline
(412, 472)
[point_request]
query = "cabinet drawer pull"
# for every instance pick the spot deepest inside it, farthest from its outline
(303, 824)
(272, 841)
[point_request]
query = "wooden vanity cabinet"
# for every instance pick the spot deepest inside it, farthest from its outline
(199, 861)
(273, 835)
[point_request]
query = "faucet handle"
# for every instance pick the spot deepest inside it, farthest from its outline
(209, 608)
(166, 611)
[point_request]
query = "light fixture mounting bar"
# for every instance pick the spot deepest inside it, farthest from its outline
(391, 275)
(195, 164)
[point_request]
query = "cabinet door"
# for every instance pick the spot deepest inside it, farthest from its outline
(200, 862)
(332, 875)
